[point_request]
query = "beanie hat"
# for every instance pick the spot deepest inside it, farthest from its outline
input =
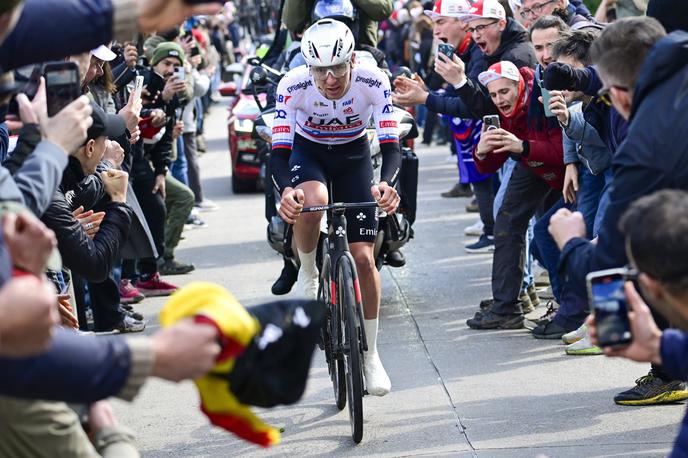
(150, 44)
(167, 49)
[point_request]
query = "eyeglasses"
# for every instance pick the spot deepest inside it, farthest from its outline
(604, 94)
(337, 71)
(480, 28)
(536, 9)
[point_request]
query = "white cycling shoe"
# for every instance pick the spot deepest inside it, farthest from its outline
(377, 381)
(307, 285)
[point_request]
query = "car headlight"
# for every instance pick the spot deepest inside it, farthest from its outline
(243, 125)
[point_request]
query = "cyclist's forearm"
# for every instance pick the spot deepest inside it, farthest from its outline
(279, 168)
(391, 162)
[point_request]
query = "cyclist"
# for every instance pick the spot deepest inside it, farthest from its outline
(321, 115)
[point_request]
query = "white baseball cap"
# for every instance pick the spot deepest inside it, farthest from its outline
(103, 53)
(449, 8)
(485, 9)
(503, 69)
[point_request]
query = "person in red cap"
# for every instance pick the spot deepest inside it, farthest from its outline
(498, 37)
(536, 144)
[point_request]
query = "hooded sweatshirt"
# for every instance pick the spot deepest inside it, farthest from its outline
(545, 155)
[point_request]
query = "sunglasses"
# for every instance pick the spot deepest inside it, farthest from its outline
(604, 94)
(337, 71)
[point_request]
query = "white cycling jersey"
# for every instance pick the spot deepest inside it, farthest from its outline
(301, 108)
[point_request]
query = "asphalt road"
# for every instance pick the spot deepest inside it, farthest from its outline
(455, 391)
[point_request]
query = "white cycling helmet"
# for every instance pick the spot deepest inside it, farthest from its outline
(327, 42)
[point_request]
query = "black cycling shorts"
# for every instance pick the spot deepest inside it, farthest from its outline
(350, 170)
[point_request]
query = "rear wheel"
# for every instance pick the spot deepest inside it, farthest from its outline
(353, 355)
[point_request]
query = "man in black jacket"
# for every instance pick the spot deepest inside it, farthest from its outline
(93, 259)
(644, 74)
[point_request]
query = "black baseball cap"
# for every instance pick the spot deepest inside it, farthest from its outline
(105, 125)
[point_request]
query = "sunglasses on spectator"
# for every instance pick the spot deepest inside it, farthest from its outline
(604, 94)
(536, 9)
(337, 71)
(480, 28)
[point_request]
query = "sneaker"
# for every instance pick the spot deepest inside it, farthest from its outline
(472, 207)
(583, 347)
(542, 280)
(130, 312)
(200, 144)
(307, 286)
(174, 267)
(459, 190)
(549, 330)
(537, 317)
(533, 295)
(129, 324)
(575, 336)
(546, 293)
(490, 320)
(194, 222)
(286, 280)
(207, 206)
(485, 244)
(376, 380)
(128, 294)
(475, 229)
(155, 286)
(524, 302)
(650, 390)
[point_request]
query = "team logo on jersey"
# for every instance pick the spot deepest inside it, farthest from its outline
(334, 124)
(280, 114)
(387, 93)
(321, 115)
(371, 82)
(295, 168)
(389, 108)
(299, 85)
(293, 180)
(348, 102)
(348, 110)
(281, 130)
(283, 98)
(388, 124)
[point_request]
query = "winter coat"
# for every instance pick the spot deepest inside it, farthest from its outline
(654, 155)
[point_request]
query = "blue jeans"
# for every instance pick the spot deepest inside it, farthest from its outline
(604, 201)
(504, 175)
(179, 166)
(573, 307)
(588, 198)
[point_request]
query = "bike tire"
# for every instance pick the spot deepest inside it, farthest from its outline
(332, 337)
(353, 354)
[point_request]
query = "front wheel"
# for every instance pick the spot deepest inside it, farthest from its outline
(353, 354)
(331, 337)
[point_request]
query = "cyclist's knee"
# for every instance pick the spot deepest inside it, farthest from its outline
(364, 260)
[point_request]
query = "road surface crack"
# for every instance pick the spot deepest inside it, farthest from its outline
(440, 379)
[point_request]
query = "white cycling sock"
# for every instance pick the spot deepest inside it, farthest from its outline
(308, 263)
(371, 334)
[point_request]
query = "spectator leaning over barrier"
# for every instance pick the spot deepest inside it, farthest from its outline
(643, 70)
(654, 229)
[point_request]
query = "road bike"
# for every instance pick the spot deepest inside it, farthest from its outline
(343, 336)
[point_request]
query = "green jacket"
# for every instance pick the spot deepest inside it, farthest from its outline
(297, 13)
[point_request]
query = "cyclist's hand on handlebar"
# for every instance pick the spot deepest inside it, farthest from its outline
(291, 204)
(386, 196)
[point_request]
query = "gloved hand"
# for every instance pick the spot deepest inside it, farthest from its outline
(563, 77)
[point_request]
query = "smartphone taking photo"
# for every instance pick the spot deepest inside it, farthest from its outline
(62, 85)
(491, 122)
(446, 49)
(610, 307)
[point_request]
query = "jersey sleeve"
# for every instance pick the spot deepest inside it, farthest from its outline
(285, 116)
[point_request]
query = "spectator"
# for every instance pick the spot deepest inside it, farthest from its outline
(654, 229)
(642, 69)
(571, 14)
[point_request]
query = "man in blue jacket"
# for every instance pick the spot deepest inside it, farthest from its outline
(644, 74)
(654, 228)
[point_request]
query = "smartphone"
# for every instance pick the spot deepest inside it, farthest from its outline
(610, 307)
(138, 87)
(62, 85)
(491, 122)
(195, 51)
(446, 49)
(154, 83)
(545, 101)
(32, 81)
(180, 73)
